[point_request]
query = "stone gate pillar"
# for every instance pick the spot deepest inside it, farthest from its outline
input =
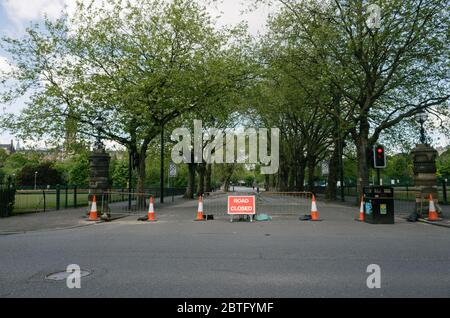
(99, 182)
(425, 179)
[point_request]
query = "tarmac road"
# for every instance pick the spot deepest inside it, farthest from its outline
(177, 257)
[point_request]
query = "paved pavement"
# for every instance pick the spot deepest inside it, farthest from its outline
(177, 257)
(52, 220)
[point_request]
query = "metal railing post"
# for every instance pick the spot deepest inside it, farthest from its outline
(58, 197)
(45, 201)
(66, 201)
(75, 196)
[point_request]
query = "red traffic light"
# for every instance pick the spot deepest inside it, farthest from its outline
(379, 155)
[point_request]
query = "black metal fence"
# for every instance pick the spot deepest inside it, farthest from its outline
(7, 196)
(67, 196)
(401, 192)
(120, 201)
(50, 198)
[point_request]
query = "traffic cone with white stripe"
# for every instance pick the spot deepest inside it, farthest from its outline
(151, 211)
(200, 210)
(314, 211)
(432, 214)
(93, 211)
(361, 211)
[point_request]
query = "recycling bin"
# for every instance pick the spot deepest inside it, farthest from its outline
(379, 205)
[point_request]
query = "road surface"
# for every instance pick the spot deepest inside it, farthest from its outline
(177, 257)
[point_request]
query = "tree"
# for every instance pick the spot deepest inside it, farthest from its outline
(3, 157)
(78, 172)
(139, 64)
(16, 161)
(385, 75)
(400, 167)
(119, 175)
(295, 96)
(443, 165)
(47, 174)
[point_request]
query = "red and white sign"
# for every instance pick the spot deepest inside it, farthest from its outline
(241, 205)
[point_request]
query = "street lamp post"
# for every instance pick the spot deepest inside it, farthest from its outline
(98, 124)
(35, 180)
(421, 118)
(444, 188)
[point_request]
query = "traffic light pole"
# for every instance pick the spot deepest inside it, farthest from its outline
(379, 161)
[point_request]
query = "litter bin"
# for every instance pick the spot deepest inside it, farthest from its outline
(379, 205)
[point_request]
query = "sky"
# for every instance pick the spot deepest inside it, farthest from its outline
(16, 15)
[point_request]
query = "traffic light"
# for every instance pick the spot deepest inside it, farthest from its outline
(379, 157)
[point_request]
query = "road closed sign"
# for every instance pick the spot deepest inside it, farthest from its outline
(241, 205)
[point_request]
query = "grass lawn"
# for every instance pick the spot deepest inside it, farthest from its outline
(33, 201)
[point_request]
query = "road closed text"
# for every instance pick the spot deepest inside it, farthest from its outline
(238, 205)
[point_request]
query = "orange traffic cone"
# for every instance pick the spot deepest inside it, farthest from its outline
(93, 211)
(151, 211)
(432, 214)
(314, 212)
(200, 209)
(361, 211)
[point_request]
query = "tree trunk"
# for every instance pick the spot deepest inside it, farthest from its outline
(272, 182)
(311, 173)
(229, 170)
(362, 144)
(226, 184)
(208, 175)
(140, 187)
(282, 178)
(191, 181)
(333, 175)
(141, 169)
(267, 182)
(201, 177)
(300, 175)
(292, 176)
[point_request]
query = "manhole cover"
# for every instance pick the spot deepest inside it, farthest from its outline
(58, 276)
